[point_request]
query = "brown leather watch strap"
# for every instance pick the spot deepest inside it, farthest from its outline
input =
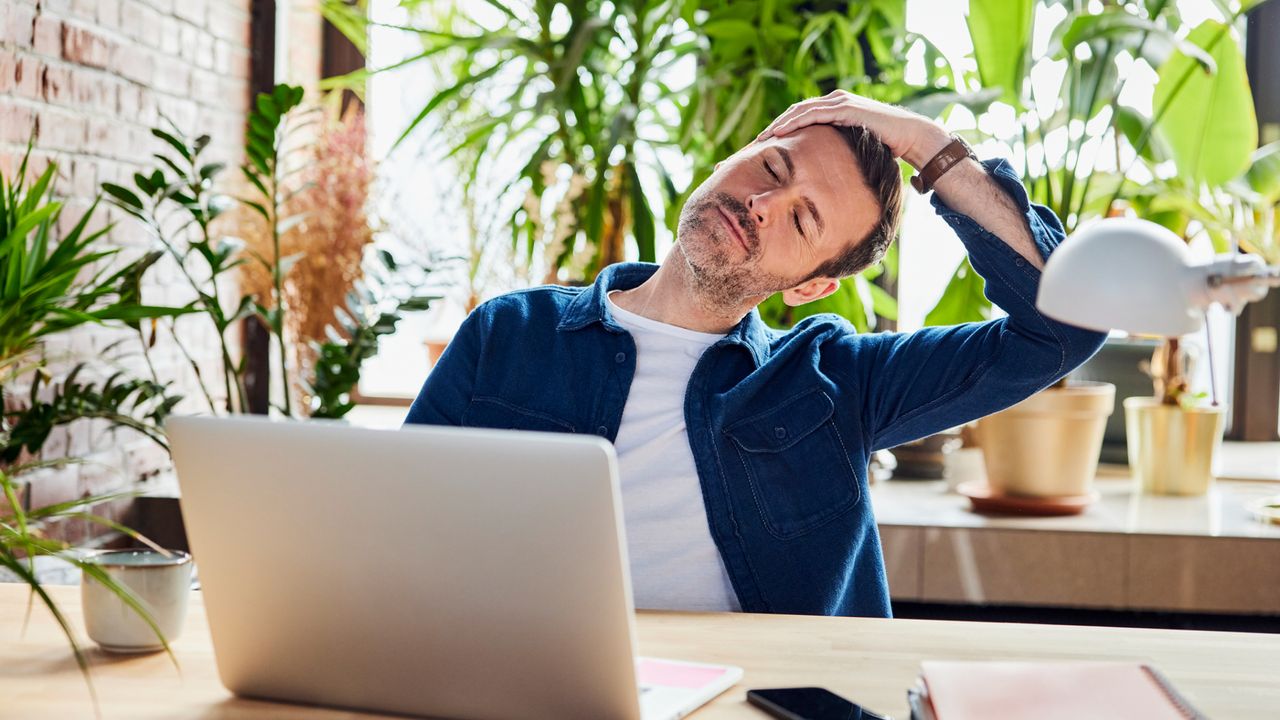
(950, 155)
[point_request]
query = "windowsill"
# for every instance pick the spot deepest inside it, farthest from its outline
(1218, 513)
(381, 417)
(1251, 461)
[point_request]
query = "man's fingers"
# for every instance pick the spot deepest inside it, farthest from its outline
(790, 112)
(797, 110)
(813, 116)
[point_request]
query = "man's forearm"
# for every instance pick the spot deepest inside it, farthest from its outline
(968, 189)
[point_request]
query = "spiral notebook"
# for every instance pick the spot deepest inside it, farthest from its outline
(1046, 691)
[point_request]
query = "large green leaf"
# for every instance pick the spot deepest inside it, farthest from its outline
(1208, 120)
(1118, 24)
(1134, 125)
(1263, 175)
(740, 30)
(642, 225)
(1001, 34)
(933, 102)
(963, 301)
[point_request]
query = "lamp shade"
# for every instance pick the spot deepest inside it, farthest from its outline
(1124, 274)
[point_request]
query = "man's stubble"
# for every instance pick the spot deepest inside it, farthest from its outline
(721, 279)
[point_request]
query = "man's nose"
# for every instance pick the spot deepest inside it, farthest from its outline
(761, 206)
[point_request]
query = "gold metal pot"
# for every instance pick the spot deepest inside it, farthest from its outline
(1048, 444)
(1171, 448)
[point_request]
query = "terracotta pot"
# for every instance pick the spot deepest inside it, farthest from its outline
(1171, 448)
(1048, 444)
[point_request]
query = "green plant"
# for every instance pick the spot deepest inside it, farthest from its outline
(373, 309)
(576, 92)
(21, 541)
(297, 244)
(1192, 164)
(1201, 77)
(135, 403)
(42, 286)
(272, 124)
(1252, 205)
(48, 288)
(182, 184)
(40, 283)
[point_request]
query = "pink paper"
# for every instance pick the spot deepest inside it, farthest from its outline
(678, 675)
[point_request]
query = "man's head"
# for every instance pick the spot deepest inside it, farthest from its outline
(792, 214)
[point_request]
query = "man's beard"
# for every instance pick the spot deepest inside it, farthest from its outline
(722, 279)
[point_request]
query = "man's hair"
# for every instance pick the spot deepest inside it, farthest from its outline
(881, 173)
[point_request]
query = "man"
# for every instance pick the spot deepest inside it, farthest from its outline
(743, 450)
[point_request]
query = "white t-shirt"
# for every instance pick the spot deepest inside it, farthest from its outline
(674, 562)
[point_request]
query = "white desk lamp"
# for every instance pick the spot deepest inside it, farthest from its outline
(1137, 276)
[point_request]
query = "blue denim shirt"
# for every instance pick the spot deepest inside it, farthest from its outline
(781, 424)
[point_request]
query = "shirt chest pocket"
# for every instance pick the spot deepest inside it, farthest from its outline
(797, 464)
(491, 412)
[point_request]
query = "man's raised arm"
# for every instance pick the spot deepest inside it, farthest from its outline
(970, 190)
(915, 384)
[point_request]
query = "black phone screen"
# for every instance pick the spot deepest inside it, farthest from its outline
(810, 703)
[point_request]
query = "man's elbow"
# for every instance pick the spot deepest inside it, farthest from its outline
(1079, 345)
(1049, 350)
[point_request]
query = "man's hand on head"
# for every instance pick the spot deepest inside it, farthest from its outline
(910, 136)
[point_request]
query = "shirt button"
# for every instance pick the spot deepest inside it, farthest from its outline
(780, 432)
(602, 431)
(1019, 262)
(620, 358)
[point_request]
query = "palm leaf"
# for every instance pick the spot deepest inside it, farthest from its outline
(28, 577)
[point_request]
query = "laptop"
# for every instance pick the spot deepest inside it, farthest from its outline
(442, 572)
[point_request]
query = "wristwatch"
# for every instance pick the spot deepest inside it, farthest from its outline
(947, 158)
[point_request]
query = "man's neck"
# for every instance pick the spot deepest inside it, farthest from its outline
(669, 296)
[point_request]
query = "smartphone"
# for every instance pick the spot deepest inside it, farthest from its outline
(809, 703)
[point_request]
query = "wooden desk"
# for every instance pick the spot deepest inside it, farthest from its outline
(1227, 675)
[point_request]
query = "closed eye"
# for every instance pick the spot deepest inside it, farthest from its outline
(795, 216)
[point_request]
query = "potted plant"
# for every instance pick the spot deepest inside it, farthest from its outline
(373, 308)
(49, 289)
(1172, 436)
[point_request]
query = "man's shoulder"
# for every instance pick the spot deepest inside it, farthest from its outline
(823, 332)
(543, 302)
(816, 326)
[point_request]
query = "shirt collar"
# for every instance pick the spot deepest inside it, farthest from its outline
(591, 306)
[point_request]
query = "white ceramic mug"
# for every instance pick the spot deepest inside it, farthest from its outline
(161, 583)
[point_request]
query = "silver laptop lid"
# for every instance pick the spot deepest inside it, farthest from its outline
(432, 571)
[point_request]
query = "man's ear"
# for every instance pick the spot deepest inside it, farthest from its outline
(810, 290)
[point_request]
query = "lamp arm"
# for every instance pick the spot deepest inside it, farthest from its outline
(1236, 281)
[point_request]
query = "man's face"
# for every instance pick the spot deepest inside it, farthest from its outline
(771, 214)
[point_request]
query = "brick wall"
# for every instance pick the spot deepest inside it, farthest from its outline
(90, 78)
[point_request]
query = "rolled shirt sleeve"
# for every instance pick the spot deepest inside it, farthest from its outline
(916, 384)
